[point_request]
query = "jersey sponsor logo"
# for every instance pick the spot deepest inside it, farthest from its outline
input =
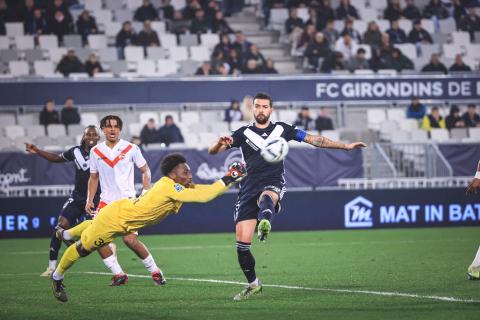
(113, 162)
(358, 213)
(178, 187)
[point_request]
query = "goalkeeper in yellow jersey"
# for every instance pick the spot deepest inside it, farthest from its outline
(125, 216)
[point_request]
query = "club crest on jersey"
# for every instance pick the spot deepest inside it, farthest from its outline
(178, 187)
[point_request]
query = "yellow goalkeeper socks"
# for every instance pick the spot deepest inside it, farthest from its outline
(70, 256)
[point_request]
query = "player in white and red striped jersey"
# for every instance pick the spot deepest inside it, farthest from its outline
(111, 163)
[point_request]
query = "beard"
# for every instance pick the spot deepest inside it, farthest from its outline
(261, 119)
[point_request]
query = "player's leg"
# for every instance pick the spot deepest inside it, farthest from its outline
(110, 260)
(75, 232)
(473, 272)
(131, 241)
(266, 203)
(244, 233)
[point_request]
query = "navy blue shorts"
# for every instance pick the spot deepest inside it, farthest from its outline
(246, 208)
(73, 210)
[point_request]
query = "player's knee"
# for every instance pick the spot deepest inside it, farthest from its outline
(63, 223)
(81, 250)
(130, 241)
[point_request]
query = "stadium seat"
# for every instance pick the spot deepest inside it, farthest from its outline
(189, 117)
(461, 38)
(75, 129)
(179, 4)
(32, 55)
(206, 139)
(179, 53)
(56, 54)
(133, 4)
(405, 25)
(451, 50)
(112, 28)
(89, 118)
(474, 133)
(387, 72)
(428, 25)
(65, 141)
(135, 128)
(48, 41)
(118, 67)
(458, 133)
(428, 49)
(234, 125)
(400, 136)
(447, 26)
(220, 127)
(97, 41)
(113, 4)
(191, 140)
(147, 68)
(43, 68)
(360, 26)
(4, 42)
(13, 131)
(72, 41)
(439, 134)
(144, 116)
(378, 5)
(18, 68)
(375, 117)
(14, 29)
(8, 55)
(168, 40)
(278, 16)
(56, 130)
(24, 42)
(212, 116)
(396, 114)
(78, 75)
(199, 53)
(35, 130)
(383, 24)
(7, 119)
(156, 53)
(167, 67)
(107, 54)
(159, 26)
(440, 38)
(188, 40)
(364, 72)
(368, 14)
(44, 141)
(103, 16)
(419, 135)
(26, 120)
(122, 15)
(302, 13)
(408, 49)
(5, 144)
(209, 40)
(288, 116)
(92, 5)
(473, 50)
(387, 127)
(134, 54)
(199, 127)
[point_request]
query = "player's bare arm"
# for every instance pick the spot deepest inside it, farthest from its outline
(92, 190)
(221, 145)
(324, 142)
(474, 185)
(52, 157)
(146, 177)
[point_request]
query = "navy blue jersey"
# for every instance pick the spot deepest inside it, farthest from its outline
(80, 157)
(259, 171)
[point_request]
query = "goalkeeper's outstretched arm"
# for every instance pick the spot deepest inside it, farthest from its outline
(324, 142)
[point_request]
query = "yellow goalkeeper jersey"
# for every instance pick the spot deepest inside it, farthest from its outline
(164, 198)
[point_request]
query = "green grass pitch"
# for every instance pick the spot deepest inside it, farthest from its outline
(359, 269)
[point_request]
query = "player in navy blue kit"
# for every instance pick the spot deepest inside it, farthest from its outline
(74, 209)
(264, 185)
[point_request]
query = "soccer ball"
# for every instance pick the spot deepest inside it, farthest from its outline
(274, 150)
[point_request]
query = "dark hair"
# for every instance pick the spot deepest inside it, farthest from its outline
(361, 50)
(262, 95)
(435, 108)
(454, 109)
(471, 105)
(103, 122)
(170, 161)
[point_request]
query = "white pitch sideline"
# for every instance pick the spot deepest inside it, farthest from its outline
(352, 291)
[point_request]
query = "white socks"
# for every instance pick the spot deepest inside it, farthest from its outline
(476, 261)
(57, 276)
(112, 264)
(254, 283)
(150, 264)
(52, 264)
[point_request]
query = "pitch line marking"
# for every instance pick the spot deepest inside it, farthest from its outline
(353, 291)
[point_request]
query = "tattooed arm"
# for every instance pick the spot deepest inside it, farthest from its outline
(324, 142)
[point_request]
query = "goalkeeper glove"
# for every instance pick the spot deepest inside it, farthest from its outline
(235, 173)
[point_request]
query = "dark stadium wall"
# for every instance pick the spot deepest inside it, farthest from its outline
(282, 88)
(314, 210)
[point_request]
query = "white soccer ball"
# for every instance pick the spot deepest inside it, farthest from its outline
(275, 149)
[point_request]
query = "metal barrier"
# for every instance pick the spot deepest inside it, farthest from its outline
(404, 183)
